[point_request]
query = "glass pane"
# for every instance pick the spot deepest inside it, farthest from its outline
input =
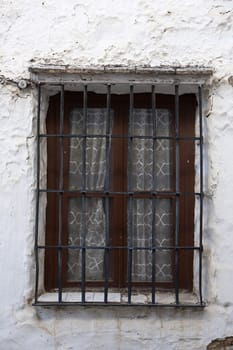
(163, 238)
(96, 122)
(92, 218)
(143, 219)
(150, 163)
(91, 150)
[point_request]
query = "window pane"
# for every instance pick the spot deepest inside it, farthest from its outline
(92, 221)
(150, 162)
(91, 150)
(142, 233)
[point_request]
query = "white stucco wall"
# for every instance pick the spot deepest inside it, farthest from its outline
(96, 33)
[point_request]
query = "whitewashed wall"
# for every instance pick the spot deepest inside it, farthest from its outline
(97, 33)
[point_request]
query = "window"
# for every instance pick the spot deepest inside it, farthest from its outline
(120, 191)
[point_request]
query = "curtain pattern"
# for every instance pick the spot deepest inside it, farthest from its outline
(91, 213)
(149, 168)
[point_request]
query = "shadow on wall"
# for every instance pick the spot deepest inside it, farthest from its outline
(221, 344)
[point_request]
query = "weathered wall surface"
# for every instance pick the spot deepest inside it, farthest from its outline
(129, 33)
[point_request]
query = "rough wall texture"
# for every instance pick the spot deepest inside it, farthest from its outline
(130, 33)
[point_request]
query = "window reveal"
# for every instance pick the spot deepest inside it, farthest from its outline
(121, 197)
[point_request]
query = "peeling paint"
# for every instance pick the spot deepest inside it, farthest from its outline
(221, 344)
(104, 35)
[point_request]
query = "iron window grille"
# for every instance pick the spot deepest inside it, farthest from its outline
(62, 137)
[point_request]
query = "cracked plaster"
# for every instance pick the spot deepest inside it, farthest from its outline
(127, 33)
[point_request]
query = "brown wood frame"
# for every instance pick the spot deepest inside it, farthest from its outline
(120, 105)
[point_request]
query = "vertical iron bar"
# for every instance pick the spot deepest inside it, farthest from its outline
(83, 284)
(130, 204)
(37, 194)
(108, 125)
(130, 139)
(130, 251)
(107, 189)
(60, 198)
(84, 138)
(177, 194)
(201, 190)
(153, 278)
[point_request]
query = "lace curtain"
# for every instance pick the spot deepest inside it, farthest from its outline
(149, 168)
(91, 213)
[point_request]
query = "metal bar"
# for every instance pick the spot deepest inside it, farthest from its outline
(130, 250)
(177, 195)
(186, 138)
(201, 191)
(120, 247)
(108, 136)
(106, 252)
(107, 188)
(37, 194)
(94, 304)
(135, 194)
(154, 119)
(84, 138)
(60, 198)
(130, 138)
(83, 284)
(130, 204)
(144, 82)
(129, 193)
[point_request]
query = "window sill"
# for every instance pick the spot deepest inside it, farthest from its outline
(163, 298)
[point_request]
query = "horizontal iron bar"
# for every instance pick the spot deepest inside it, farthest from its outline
(188, 138)
(103, 194)
(170, 81)
(86, 303)
(119, 247)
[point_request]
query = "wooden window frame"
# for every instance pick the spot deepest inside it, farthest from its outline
(187, 109)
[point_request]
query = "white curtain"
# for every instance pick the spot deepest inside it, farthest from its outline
(90, 214)
(149, 168)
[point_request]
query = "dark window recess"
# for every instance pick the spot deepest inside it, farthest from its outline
(120, 194)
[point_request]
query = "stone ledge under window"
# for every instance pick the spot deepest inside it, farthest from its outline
(162, 298)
